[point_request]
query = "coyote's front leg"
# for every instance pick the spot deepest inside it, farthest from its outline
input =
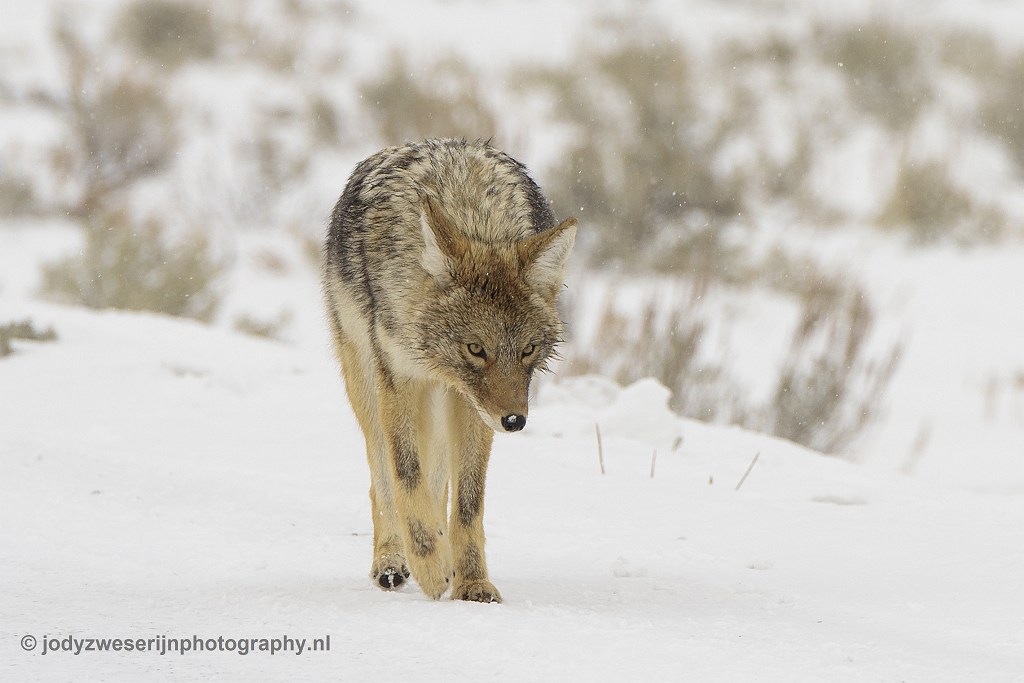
(427, 548)
(470, 450)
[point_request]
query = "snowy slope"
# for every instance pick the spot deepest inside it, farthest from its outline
(162, 478)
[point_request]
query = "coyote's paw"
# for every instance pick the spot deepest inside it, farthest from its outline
(476, 591)
(389, 571)
(431, 559)
(433, 574)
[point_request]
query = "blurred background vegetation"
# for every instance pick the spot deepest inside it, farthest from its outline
(174, 123)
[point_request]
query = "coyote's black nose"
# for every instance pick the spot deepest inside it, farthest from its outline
(513, 423)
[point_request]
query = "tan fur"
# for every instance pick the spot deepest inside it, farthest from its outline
(441, 270)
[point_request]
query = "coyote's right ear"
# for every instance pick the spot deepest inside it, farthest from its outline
(545, 254)
(443, 246)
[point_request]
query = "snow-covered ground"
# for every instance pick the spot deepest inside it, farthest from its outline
(165, 478)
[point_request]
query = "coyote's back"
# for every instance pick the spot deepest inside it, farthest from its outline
(441, 269)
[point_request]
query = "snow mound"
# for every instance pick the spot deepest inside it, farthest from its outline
(638, 412)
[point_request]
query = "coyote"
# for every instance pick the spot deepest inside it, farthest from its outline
(441, 269)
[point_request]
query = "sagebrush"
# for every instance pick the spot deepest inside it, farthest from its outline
(22, 329)
(137, 265)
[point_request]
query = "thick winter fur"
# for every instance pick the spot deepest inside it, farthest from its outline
(441, 269)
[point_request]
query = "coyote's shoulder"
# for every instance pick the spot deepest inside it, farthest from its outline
(442, 265)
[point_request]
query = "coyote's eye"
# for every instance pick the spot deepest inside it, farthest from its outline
(528, 350)
(476, 350)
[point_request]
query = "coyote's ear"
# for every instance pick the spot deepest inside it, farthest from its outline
(545, 255)
(443, 246)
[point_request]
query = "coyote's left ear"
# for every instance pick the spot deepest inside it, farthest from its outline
(545, 255)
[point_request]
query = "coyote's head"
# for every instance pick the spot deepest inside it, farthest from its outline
(491, 321)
